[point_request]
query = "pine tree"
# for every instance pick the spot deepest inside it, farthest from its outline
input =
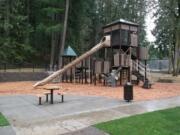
(14, 29)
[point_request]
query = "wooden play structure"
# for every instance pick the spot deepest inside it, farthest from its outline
(120, 60)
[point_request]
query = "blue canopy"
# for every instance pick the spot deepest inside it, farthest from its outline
(69, 52)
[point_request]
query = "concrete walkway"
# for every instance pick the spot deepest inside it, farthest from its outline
(7, 130)
(87, 131)
(125, 111)
(27, 117)
(73, 116)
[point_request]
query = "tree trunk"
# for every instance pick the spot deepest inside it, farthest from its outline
(27, 41)
(170, 64)
(177, 56)
(52, 51)
(52, 47)
(64, 34)
(177, 44)
(7, 19)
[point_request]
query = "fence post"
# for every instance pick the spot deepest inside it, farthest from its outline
(145, 70)
(33, 67)
(19, 67)
(46, 67)
(5, 67)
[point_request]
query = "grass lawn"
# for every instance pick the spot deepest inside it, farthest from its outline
(165, 122)
(3, 121)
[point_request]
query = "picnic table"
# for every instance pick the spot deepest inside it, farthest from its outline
(52, 89)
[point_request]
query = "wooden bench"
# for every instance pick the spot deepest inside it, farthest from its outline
(40, 98)
(47, 95)
(60, 93)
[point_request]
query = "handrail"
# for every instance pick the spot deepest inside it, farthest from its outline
(140, 63)
(141, 68)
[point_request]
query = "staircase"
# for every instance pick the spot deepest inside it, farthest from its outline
(138, 70)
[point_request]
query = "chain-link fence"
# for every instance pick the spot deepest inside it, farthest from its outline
(159, 65)
(23, 67)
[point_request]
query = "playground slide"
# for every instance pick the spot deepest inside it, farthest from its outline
(112, 77)
(105, 42)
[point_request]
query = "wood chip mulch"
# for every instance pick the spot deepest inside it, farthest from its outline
(158, 90)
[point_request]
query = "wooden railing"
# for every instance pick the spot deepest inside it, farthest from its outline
(140, 67)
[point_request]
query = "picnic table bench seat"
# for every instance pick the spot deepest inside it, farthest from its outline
(60, 93)
(46, 94)
(40, 98)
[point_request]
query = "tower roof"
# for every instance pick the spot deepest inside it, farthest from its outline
(69, 52)
(121, 21)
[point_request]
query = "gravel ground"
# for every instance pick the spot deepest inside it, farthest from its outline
(164, 77)
(158, 90)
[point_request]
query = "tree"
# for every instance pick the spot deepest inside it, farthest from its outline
(86, 19)
(14, 29)
(53, 10)
(167, 31)
(64, 34)
(31, 28)
(45, 17)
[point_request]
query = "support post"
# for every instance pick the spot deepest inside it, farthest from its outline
(145, 74)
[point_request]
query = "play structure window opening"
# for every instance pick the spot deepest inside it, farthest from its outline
(125, 37)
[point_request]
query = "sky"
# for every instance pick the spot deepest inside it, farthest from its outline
(150, 25)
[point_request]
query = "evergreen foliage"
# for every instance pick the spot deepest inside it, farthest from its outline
(167, 31)
(30, 29)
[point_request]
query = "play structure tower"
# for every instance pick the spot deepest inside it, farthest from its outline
(125, 53)
(124, 47)
(124, 34)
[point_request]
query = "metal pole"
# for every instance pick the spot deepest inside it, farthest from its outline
(145, 69)
(33, 67)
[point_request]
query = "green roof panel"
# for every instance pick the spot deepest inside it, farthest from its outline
(69, 52)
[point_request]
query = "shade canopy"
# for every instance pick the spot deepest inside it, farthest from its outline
(123, 33)
(121, 21)
(69, 52)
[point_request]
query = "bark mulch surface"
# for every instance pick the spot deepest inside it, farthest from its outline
(158, 90)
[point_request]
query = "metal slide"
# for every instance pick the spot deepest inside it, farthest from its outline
(105, 42)
(112, 77)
